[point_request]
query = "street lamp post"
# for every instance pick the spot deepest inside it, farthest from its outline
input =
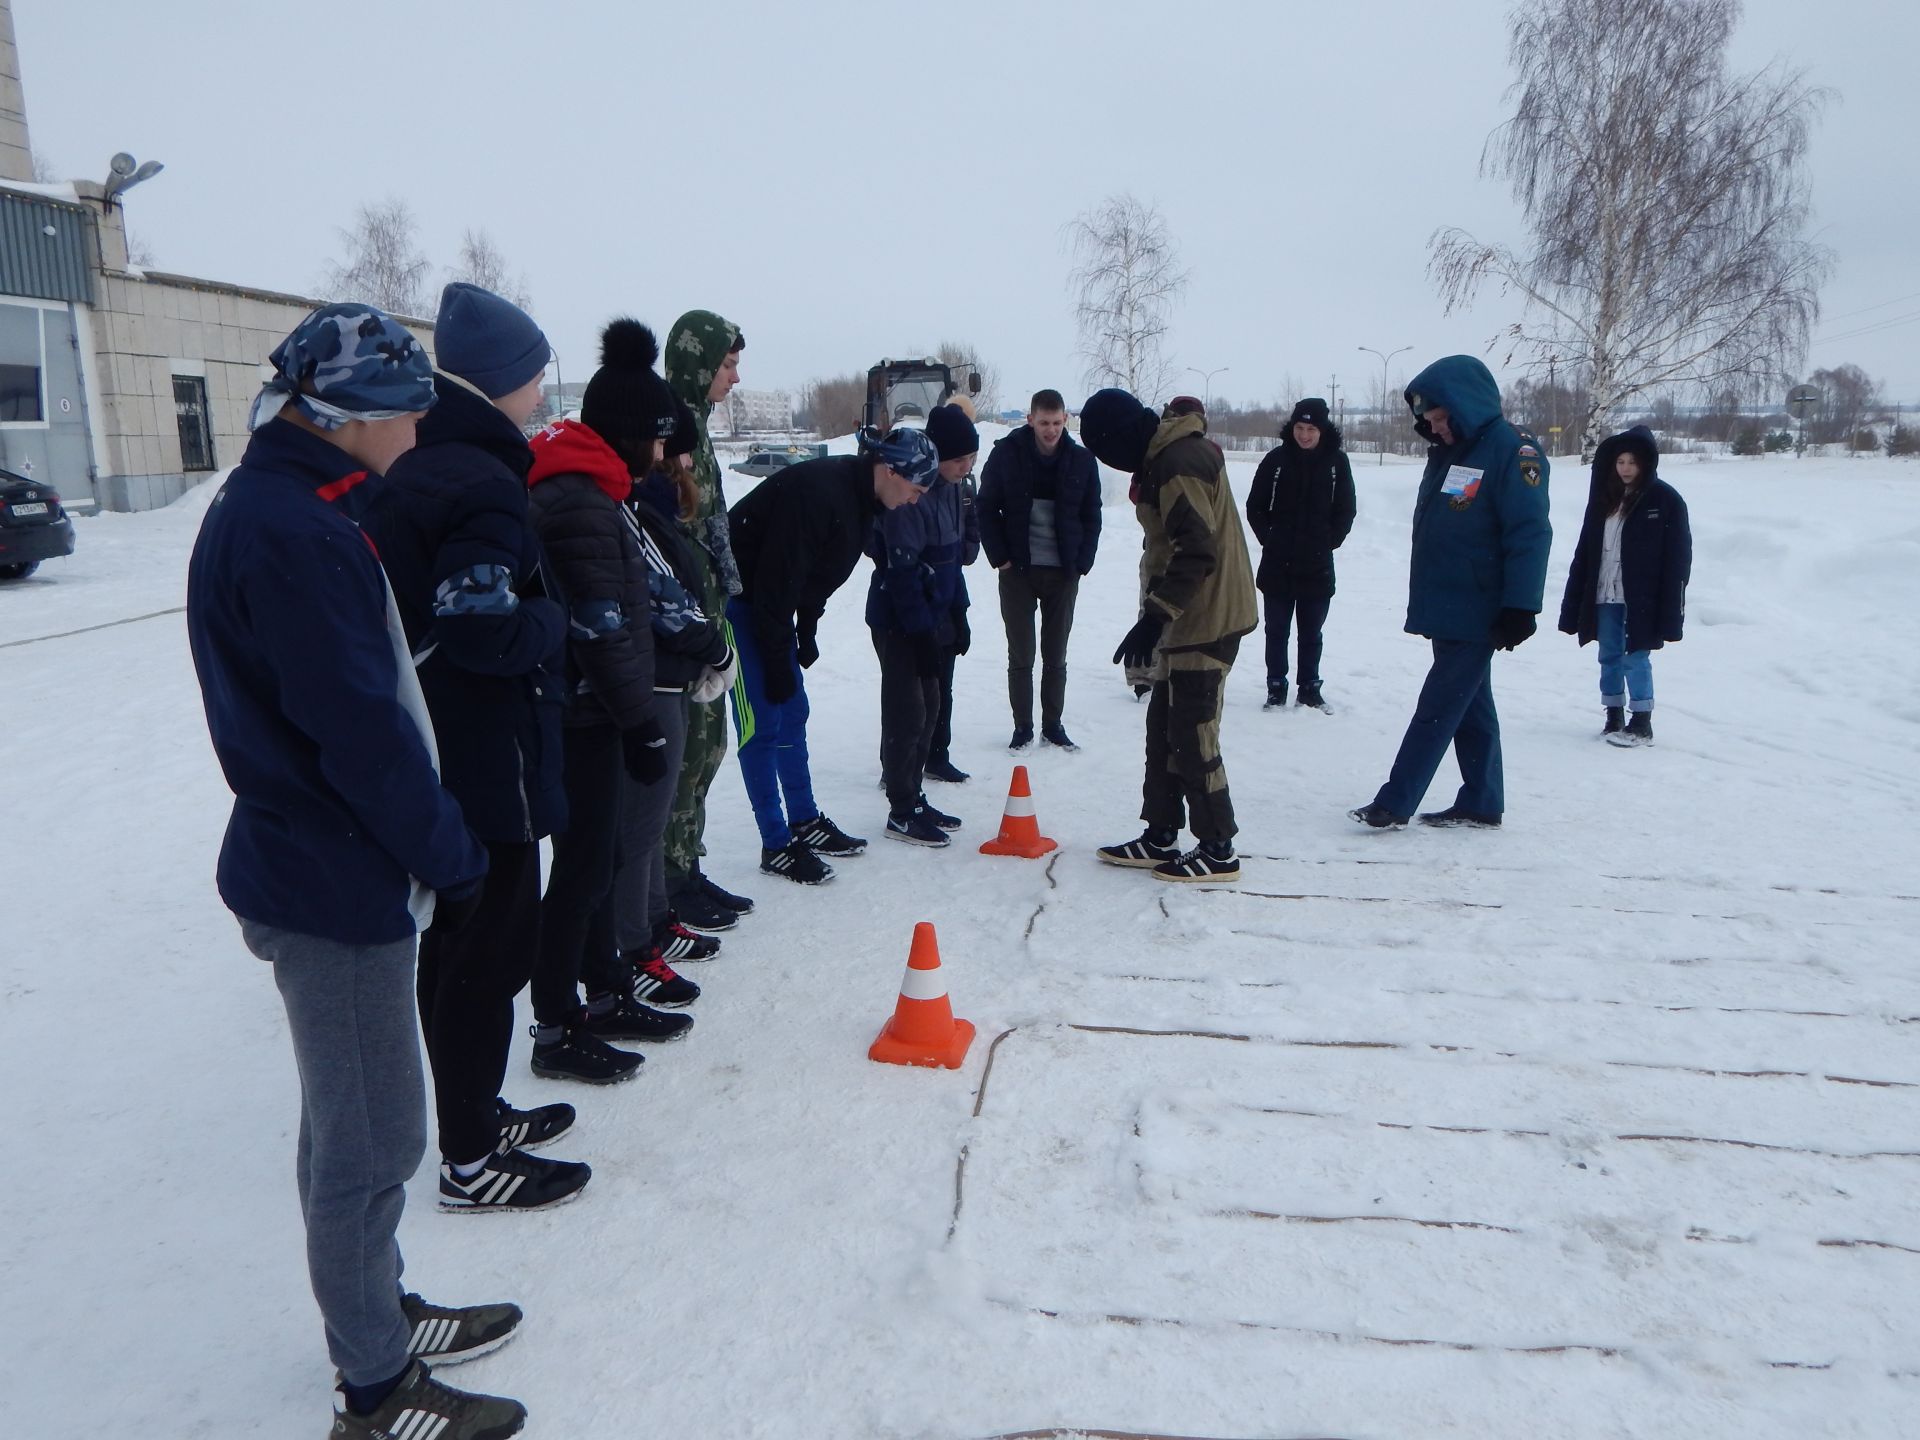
(1384, 406)
(1206, 395)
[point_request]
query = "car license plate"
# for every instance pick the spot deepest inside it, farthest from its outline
(39, 507)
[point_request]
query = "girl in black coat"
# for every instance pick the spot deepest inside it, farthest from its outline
(1300, 509)
(1628, 584)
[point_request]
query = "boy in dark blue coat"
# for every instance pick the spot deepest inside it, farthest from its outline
(451, 524)
(341, 839)
(1480, 542)
(1627, 587)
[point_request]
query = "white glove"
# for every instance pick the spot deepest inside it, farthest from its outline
(713, 683)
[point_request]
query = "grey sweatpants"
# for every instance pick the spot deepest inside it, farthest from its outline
(363, 1129)
(640, 884)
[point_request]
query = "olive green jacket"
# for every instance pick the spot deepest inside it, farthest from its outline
(1194, 569)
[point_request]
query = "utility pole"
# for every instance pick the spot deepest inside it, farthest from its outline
(1386, 406)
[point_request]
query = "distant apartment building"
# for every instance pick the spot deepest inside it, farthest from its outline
(748, 410)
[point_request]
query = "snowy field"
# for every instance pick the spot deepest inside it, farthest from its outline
(1603, 1125)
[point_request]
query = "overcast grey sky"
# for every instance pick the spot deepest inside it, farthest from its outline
(848, 180)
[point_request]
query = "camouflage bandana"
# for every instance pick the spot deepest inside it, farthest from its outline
(908, 453)
(360, 363)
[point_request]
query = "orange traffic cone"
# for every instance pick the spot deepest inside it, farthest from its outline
(923, 1030)
(1019, 830)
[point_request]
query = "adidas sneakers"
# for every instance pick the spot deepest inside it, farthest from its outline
(658, 983)
(530, 1129)
(1142, 853)
(513, 1181)
(1203, 862)
(421, 1408)
(698, 910)
(675, 941)
(795, 861)
(824, 837)
(449, 1335)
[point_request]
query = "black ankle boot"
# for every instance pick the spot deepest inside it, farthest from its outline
(1616, 719)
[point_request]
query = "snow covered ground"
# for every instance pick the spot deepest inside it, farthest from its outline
(1604, 1124)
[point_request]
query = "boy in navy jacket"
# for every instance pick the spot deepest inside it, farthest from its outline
(342, 839)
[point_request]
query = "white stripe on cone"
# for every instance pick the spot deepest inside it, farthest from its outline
(1020, 807)
(923, 985)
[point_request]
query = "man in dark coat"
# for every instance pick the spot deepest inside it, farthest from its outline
(1480, 542)
(1300, 510)
(1040, 529)
(1627, 587)
(452, 528)
(796, 537)
(343, 844)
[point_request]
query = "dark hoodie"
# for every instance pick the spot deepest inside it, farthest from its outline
(577, 489)
(797, 536)
(1485, 549)
(1300, 509)
(1656, 550)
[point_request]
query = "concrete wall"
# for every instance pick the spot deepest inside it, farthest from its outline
(16, 145)
(148, 330)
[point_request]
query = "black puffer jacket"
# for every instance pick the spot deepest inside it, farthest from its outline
(452, 530)
(578, 485)
(1656, 550)
(1301, 508)
(686, 640)
(797, 537)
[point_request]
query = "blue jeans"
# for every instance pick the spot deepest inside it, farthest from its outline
(1623, 672)
(773, 739)
(1455, 708)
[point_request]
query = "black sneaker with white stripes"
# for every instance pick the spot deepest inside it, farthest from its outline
(1149, 849)
(826, 838)
(796, 861)
(530, 1129)
(421, 1408)
(513, 1181)
(1203, 862)
(625, 1018)
(658, 983)
(451, 1334)
(674, 941)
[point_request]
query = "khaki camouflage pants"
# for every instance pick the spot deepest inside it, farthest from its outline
(706, 748)
(1186, 779)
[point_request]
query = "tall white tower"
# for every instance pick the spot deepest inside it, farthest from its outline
(16, 146)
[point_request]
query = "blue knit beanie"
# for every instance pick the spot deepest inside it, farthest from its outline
(489, 342)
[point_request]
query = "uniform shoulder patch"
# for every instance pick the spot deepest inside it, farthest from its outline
(1530, 468)
(1528, 450)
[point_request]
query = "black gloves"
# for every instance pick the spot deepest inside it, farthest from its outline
(962, 633)
(809, 650)
(1136, 651)
(645, 746)
(778, 680)
(1512, 627)
(452, 909)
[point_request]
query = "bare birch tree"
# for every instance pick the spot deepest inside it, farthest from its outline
(482, 263)
(383, 264)
(1666, 202)
(1125, 278)
(958, 353)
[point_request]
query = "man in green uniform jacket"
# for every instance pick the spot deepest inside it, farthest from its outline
(703, 365)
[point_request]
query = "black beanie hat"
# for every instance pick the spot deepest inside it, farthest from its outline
(952, 433)
(1117, 428)
(626, 400)
(686, 430)
(1313, 410)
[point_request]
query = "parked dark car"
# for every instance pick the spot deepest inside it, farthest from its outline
(33, 525)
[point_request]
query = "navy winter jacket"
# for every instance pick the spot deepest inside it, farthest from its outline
(1301, 509)
(1006, 502)
(451, 523)
(340, 825)
(1484, 549)
(917, 552)
(1656, 550)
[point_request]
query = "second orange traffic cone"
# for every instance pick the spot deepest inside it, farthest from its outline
(923, 1030)
(1019, 827)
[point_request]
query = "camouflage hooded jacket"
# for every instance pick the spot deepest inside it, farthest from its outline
(697, 347)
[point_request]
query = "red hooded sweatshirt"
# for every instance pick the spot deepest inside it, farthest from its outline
(567, 447)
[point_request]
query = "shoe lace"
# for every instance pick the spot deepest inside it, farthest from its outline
(655, 967)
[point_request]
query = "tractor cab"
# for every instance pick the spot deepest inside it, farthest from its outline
(902, 392)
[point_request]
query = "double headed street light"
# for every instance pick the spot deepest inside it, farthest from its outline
(1385, 407)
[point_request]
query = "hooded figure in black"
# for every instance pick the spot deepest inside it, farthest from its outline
(1300, 510)
(1627, 587)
